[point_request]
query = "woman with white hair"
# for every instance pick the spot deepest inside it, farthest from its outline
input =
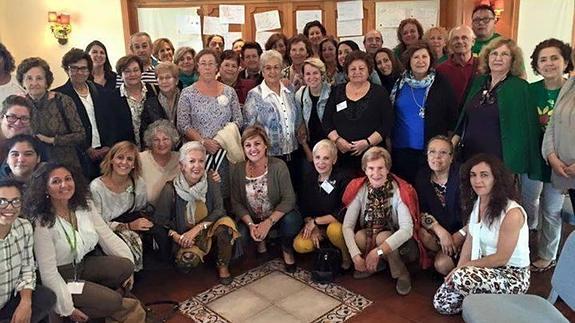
(320, 203)
(311, 100)
(191, 214)
(272, 106)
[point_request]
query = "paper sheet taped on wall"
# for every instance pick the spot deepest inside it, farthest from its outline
(232, 14)
(189, 25)
(349, 27)
(389, 37)
(263, 36)
(213, 26)
(389, 17)
(231, 37)
(302, 17)
(388, 14)
(426, 16)
(268, 20)
(350, 10)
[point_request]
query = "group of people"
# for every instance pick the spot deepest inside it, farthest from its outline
(436, 151)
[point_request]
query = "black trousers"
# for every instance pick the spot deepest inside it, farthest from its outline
(43, 300)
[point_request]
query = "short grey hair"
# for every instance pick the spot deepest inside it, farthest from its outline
(268, 55)
(191, 146)
(162, 125)
(464, 27)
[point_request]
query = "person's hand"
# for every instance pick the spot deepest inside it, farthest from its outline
(128, 283)
(308, 229)
(212, 146)
(372, 260)
(557, 165)
(263, 229)
(189, 237)
(343, 145)
(358, 147)
(215, 176)
(449, 276)
(446, 241)
(316, 237)
(23, 312)
(302, 135)
(78, 316)
(101, 152)
(141, 224)
(92, 153)
(359, 263)
(570, 170)
(254, 232)
(45, 139)
(285, 82)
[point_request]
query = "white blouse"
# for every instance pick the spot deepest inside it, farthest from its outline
(485, 238)
(52, 250)
(111, 204)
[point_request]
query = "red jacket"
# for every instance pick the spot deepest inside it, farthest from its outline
(409, 197)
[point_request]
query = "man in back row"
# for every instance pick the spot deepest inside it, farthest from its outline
(483, 23)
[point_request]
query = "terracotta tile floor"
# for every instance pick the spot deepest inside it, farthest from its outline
(380, 288)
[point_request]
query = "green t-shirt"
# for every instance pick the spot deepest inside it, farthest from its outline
(476, 49)
(545, 101)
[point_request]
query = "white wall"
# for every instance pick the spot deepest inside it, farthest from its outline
(540, 20)
(24, 29)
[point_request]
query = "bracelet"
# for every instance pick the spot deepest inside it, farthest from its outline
(462, 232)
(205, 226)
(250, 224)
(272, 220)
(368, 142)
(181, 237)
(336, 139)
(128, 224)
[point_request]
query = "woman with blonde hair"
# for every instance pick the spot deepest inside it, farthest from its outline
(311, 100)
(498, 117)
(163, 50)
(320, 203)
(436, 37)
(120, 191)
(184, 58)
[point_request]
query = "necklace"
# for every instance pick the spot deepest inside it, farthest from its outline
(253, 170)
(421, 112)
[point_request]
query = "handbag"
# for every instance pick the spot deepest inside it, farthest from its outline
(326, 266)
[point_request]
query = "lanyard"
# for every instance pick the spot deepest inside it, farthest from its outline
(72, 242)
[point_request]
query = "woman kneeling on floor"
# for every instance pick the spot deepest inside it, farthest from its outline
(495, 254)
(262, 196)
(191, 211)
(67, 229)
(386, 207)
(321, 203)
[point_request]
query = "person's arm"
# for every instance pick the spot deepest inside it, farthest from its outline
(405, 231)
(285, 188)
(45, 252)
(27, 279)
(184, 118)
(110, 242)
(76, 133)
(237, 116)
(215, 195)
(350, 221)
(236, 183)
(383, 102)
(96, 187)
(328, 115)
(506, 243)
(251, 107)
(465, 254)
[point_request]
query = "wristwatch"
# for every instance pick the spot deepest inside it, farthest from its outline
(379, 252)
(205, 226)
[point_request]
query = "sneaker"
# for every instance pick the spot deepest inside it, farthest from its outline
(403, 286)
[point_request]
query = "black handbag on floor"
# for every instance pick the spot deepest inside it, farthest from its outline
(326, 266)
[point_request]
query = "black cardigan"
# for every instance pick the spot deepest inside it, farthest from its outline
(449, 217)
(123, 122)
(105, 113)
(440, 109)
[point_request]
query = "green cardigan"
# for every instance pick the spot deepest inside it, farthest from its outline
(280, 190)
(520, 133)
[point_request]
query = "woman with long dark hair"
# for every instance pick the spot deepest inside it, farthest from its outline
(102, 72)
(495, 255)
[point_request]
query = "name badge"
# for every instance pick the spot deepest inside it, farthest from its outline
(326, 186)
(341, 106)
(75, 287)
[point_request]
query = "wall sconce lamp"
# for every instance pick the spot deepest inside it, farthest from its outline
(498, 6)
(60, 26)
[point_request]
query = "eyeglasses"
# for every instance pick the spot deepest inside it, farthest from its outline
(440, 153)
(210, 64)
(484, 20)
(76, 69)
(269, 68)
(16, 203)
(11, 118)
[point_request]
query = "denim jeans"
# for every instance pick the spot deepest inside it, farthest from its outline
(288, 227)
(542, 201)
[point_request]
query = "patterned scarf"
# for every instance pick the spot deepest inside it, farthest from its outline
(407, 77)
(377, 213)
(191, 194)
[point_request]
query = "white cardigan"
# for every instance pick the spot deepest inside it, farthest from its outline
(52, 250)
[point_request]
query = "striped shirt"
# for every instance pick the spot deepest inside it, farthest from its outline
(17, 269)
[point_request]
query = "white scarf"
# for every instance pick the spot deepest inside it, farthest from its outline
(191, 194)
